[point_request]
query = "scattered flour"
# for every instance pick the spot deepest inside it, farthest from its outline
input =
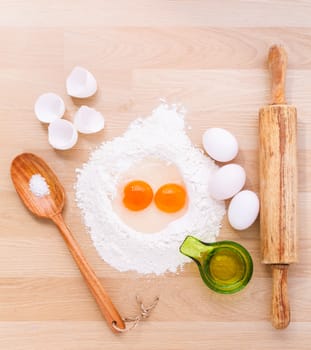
(161, 135)
(38, 186)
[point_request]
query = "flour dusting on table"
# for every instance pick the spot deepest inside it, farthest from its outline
(161, 135)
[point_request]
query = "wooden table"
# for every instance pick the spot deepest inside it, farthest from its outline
(208, 55)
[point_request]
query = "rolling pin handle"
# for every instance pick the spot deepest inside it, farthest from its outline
(280, 303)
(277, 61)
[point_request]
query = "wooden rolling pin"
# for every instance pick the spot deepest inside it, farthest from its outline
(278, 186)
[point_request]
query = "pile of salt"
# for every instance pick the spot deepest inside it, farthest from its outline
(38, 186)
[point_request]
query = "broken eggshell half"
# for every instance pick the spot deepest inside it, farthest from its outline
(62, 134)
(88, 121)
(49, 107)
(81, 83)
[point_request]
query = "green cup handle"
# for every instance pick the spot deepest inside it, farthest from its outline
(195, 249)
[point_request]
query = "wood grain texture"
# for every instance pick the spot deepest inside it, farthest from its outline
(278, 199)
(208, 55)
(50, 206)
(23, 167)
(278, 184)
(102, 298)
(280, 302)
(277, 63)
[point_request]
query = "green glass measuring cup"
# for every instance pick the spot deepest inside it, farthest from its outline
(225, 267)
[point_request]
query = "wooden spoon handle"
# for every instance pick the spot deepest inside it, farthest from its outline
(102, 298)
(280, 303)
(277, 61)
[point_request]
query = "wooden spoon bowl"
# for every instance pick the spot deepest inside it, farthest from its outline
(23, 168)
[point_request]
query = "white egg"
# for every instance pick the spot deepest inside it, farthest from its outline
(62, 134)
(220, 144)
(49, 107)
(243, 210)
(227, 181)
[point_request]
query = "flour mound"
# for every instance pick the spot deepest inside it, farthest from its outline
(161, 135)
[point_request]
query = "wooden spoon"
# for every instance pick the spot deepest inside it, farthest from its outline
(50, 206)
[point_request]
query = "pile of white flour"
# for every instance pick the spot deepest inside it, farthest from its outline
(161, 135)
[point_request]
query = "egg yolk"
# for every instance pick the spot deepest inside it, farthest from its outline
(170, 198)
(137, 195)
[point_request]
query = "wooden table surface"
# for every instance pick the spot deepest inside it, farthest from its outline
(208, 55)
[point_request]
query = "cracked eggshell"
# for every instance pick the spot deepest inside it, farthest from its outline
(88, 121)
(81, 83)
(49, 107)
(62, 134)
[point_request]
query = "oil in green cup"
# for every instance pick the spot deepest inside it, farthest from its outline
(225, 267)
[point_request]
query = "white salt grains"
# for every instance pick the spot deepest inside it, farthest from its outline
(38, 186)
